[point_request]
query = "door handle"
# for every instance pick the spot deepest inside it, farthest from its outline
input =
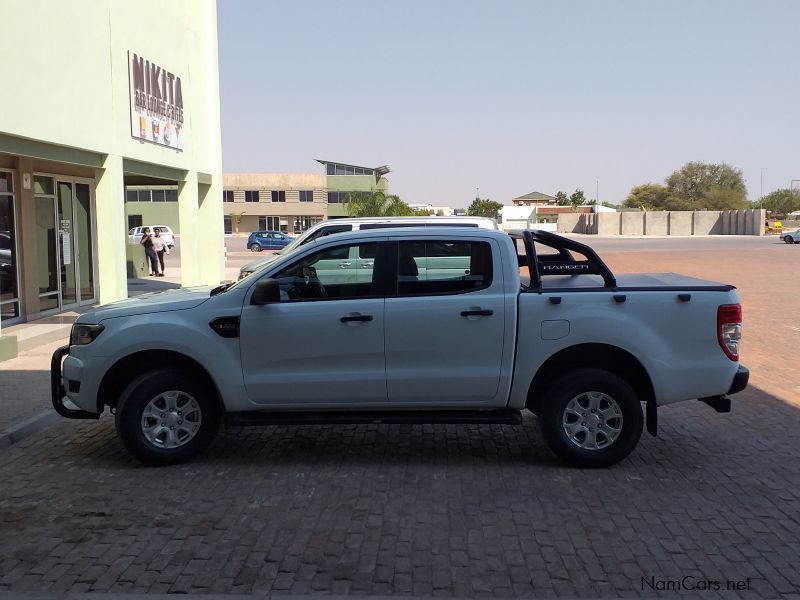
(351, 318)
(366, 265)
(344, 265)
(477, 313)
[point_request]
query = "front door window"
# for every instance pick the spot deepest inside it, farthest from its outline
(47, 253)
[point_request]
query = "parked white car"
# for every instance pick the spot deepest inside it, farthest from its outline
(363, 224)
(135, 235)
(416, 325)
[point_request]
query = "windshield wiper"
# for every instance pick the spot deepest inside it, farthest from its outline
(221, 288)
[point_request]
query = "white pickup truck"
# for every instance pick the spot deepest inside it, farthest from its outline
(425, 325)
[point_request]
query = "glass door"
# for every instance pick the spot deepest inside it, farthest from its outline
(9, 289)
(66, 243)
(75, 242)
(84, 242)
(47, 251)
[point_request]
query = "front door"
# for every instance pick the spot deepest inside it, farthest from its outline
(75, 242)
(445, 329)
(323, 343)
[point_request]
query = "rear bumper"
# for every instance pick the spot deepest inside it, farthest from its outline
(740, 380)
(722, 404)
(57, 391)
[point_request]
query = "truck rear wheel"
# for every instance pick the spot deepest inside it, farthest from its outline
(167, 416)
(591, 418)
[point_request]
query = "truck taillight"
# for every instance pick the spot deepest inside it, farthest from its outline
(729, 329)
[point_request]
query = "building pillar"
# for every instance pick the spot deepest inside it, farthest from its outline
(211, 250)
(112, 239)
(192, 235)
(28, 261)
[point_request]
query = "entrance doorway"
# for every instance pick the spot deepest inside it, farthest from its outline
(65, 242)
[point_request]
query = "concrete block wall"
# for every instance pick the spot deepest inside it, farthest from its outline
(705, 222)
(608, 223)
(655, 223)
(570, 223)
(632, 223)
(680, 222)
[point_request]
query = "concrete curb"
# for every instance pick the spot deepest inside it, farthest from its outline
(28, 427)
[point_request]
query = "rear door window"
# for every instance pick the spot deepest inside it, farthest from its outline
(443, 267)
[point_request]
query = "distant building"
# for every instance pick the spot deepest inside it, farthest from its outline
(293, 202)
(540, 211)
(534, 199)
(441, 211)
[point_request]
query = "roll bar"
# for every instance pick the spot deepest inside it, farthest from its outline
(564, 263)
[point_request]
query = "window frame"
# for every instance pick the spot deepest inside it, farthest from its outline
(250, 193)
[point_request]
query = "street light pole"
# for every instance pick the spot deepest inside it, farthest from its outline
(596, 192)
(761, 199)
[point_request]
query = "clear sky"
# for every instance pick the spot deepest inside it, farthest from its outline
(512, 97)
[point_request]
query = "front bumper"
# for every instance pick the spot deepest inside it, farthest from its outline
(57, 391)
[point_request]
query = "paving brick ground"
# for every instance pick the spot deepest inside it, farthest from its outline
(435, 510)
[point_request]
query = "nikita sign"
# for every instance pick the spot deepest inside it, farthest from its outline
(156, 103)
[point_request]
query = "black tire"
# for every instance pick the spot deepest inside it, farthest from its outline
(255, 248)
(572, 386)
(142, 390)
(789, 239)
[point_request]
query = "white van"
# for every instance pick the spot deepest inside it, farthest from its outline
(343, 225)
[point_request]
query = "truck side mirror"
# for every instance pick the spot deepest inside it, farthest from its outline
(266, 291)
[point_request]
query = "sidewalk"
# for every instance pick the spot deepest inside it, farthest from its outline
(25, 404)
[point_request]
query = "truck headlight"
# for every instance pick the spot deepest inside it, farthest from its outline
(83, 334)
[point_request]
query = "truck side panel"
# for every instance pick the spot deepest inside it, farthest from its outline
(675, 341)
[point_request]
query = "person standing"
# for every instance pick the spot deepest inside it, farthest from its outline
(161, 248)
(147, 242)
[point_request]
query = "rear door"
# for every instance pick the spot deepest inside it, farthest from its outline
(445, 327)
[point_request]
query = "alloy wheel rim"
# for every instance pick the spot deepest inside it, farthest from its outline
(592, 420)
(171, 419)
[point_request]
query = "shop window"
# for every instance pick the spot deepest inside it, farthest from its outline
(43, 185)
(134, 221)
(228, 224)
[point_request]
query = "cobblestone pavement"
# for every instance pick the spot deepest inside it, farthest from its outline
(424, 510)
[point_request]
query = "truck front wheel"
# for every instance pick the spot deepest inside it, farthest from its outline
(167, 416)
(591, 418)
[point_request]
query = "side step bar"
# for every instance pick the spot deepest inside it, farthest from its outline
(503, 416)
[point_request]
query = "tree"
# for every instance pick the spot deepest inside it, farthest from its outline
(652, 196)
(702, 185)
(609, 205)
(484, 207)
(577, 199)
(562, 199)
(780, 201)
(376, 204)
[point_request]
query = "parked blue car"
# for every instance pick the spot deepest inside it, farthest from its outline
(267, 240)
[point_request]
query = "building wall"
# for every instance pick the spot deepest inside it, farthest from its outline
(67, 110)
